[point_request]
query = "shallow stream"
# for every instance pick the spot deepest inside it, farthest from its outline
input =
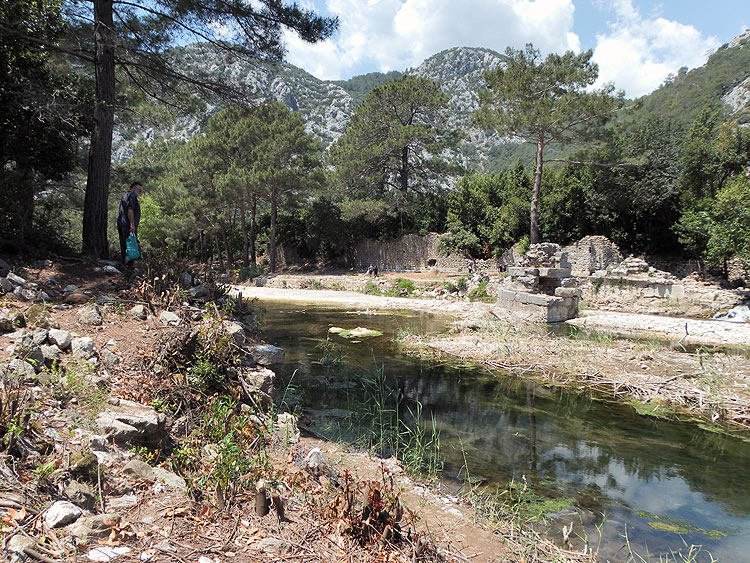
(627, 482)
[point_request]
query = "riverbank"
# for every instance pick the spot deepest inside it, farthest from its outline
(661, 371)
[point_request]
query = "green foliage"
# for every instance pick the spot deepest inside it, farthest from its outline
(462, 284)
(543, 102)
(237, 459)
(360, 86)
(390, 144)
(479, 293)
(486, 213)
(522, 246)
(40, 123)
(404, 286)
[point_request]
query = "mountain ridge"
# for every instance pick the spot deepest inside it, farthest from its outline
(327, 105)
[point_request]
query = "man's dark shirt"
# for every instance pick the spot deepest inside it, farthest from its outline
(129, 201)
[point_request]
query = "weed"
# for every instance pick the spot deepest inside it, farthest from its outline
(450, 287)
(44, 470)
(371, 289)
(226, 452)
(522, 246)
(462, 284)
(480, 293)
(404, 287)
(317, 284)
(245, 273)
(333, 356)
(70, 384)
(598, 282)
(336, 286)
(406, 331)
(146, 454)
(420, 452)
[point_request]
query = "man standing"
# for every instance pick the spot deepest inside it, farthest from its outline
(128, 218)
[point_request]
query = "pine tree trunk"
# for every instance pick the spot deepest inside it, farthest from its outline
(245, 236)
(227, 247)
(100, 152)
(253, 229)
(536, 190)
(404, 170)
(272, 245)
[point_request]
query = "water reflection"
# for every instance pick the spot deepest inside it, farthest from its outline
(655, 478)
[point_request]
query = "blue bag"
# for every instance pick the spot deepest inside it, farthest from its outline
(132, 248)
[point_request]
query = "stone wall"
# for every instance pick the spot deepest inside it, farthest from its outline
(590, 254)
(413, 253)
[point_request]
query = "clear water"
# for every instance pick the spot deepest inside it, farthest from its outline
(660, 482)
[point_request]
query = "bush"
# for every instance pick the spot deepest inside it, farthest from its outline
(480, 294)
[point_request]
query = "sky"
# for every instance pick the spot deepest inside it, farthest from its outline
(636, 43)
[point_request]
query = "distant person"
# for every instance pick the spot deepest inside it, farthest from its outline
(128, 218)
(375, 271)
(369, 270)
(471, 269)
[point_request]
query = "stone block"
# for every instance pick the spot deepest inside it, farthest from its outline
(554, 273)
(567, 292)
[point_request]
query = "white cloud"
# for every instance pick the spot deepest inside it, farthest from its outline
(638, 53)
(396, 34)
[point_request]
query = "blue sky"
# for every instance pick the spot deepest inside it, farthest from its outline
(636, 43)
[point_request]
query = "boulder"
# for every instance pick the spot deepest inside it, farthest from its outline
(15, 279)
(111, 270)
(5, 285)
(267, 354)
(236, 331)
(198, 292)
(169, 318)
(4, 265)
(257, 386)
(285, 428)
(139, 469)
(123, 502)
(25, 349)
(40, 336)
(81, 494)
(109, 358)
(139, 312)
(61, 338)
(90, 315)
(70, 288)
(84, 465)
(82, 347)
(76, 298)
(38, 316)
(187, 279)
(61, 513)
(21, 368)
(6, 323)
(51, 354)
(17, 544)
(169, 479)
(90, 528)
(131, 422)
(25, 294)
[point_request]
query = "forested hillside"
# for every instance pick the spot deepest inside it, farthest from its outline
(239, 154)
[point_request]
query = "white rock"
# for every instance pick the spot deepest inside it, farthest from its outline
(61, 514)
(82, 347)
(169, 318)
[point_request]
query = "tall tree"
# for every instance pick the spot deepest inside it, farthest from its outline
(40, 120)
(131, 37)
(285, 160)
(394, 140)
(545, 101)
